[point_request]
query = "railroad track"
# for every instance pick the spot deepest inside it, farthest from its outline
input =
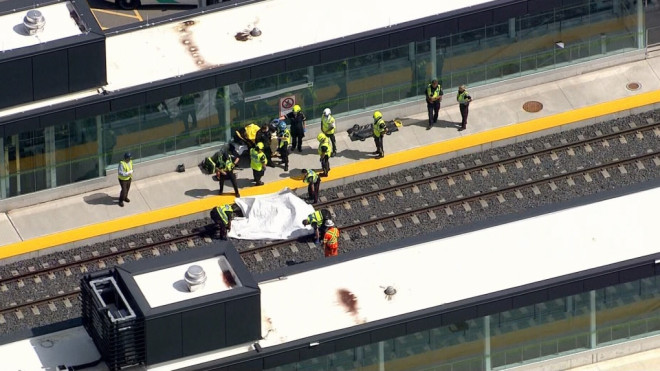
(65, 276)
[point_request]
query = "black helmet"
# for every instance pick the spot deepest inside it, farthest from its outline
(127, 155)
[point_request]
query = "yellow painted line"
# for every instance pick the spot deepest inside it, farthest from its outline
(138, 15)
(360, 167)
(119, 14)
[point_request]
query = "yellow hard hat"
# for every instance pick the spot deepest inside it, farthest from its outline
(260, 145)
(377, 115)
(321, 137)
(296, 108)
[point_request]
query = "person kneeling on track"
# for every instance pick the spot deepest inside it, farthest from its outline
(316, 220)
(222, 216)
(313, 184)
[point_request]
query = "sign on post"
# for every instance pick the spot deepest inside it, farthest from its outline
(286, 104)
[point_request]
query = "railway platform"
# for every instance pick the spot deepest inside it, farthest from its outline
(581, 99)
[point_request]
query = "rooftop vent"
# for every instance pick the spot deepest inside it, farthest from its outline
(195, 278)
(34, 22)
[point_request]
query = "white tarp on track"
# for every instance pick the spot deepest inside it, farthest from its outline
(276, 216)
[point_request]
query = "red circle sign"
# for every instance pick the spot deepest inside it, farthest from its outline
(287, 103)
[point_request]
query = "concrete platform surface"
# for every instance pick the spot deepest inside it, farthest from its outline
(498, 119)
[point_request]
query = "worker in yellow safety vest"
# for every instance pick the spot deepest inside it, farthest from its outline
(328, 127)
(380, 129)
(325, 150)
(125, 175)
(257, 163)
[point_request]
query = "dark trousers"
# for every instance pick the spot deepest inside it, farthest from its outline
(433, 109)
(125, 187)
(258, 174)
(334, 143)
(464, 114)
(313, 190)
(379, 145)
(325, 164)
(284, 155)
(231, 176)
(296, 139)
(269, 155)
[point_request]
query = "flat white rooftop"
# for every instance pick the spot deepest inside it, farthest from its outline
(161, 52)
(167, 286)
(59, 25)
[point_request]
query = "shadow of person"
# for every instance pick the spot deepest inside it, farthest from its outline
(100, 199)
(354, 154)
(200, 193)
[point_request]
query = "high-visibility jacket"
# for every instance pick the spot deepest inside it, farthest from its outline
(331, 241)
(463, 98)
(311, 177)
(315, 217)
(286, 138)
(228, 165)
(125, 171)
(379, 127)
(257, 159)
(328, 147)
(433, 93)
(222, 211)
(328, 125)
(251, 131)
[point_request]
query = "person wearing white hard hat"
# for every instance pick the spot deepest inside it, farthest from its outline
(330, 239)
(328, 127)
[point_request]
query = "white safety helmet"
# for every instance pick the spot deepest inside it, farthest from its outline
(329, 223)
(326, 112)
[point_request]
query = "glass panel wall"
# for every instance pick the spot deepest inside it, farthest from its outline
(70, 152)
(523, 335)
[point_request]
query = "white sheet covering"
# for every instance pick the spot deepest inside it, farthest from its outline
(276, 216)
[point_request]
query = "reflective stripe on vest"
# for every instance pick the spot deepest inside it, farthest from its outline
(315, 217)
(334, 234)
(311, 177)
(257, 160)
(379, 127)
(286, 139)
(462, 97)
(223, 215)
(327, 125)
(229, 164)
(126, 167)
(432, 94)
(328, 147)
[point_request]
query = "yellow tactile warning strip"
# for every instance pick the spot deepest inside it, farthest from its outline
(361, 167)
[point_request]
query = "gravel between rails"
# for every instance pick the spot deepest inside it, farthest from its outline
(409, 200)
